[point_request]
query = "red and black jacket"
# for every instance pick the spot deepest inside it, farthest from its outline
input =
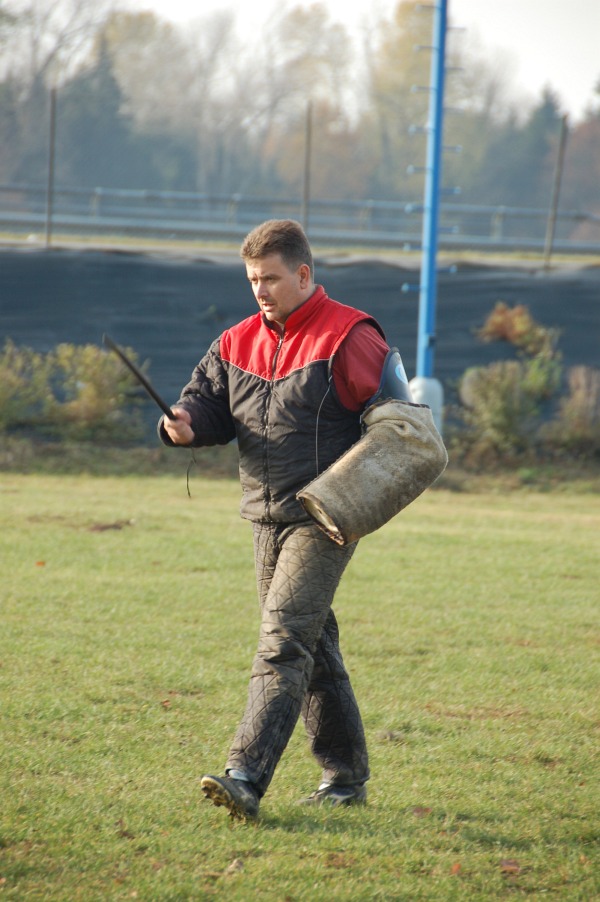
(275, 393)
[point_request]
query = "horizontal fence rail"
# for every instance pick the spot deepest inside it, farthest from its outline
(27, 211)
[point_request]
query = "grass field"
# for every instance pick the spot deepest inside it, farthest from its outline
(469, 623)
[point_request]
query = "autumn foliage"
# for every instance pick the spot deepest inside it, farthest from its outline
(77, 393)
(527, 406)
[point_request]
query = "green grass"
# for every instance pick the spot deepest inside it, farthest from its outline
(469, 623)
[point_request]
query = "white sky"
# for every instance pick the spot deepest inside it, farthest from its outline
(553, 43)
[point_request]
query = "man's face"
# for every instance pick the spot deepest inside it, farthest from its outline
(278, 289)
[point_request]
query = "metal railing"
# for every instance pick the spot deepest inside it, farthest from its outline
(188, 216)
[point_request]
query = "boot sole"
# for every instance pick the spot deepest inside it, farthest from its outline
(221, 797)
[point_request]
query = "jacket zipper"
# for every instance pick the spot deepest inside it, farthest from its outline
(275, 356)
(266, 429)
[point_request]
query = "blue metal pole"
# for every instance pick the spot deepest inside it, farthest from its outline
(428, 284)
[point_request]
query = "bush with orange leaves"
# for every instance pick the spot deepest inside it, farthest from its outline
(516, 326)
(503, 403)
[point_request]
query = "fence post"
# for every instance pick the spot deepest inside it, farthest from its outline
(560, 160)
(307, 167)
(51, 156)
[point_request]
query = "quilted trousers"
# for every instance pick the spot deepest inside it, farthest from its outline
(298, 668)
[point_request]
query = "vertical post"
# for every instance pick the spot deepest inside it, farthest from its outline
(424, 387)
(307, 166)
(51, 157)
(428, 285)
(551, 226)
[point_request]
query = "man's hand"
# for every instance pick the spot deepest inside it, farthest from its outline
(179, 431)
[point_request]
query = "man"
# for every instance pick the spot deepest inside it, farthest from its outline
(290, 383)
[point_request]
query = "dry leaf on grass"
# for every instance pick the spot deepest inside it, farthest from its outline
(509, 866)
(236, 865)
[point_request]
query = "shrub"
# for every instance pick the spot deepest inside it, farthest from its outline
(78, 393)
(517, 326)
(576, 427)
(24, 387)
(501, 406)
(94, 395)
(503, 403)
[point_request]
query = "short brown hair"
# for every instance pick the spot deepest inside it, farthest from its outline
(278, 236)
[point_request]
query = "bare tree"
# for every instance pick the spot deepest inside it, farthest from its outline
(185, 82)
(49, 38)
(153, 64)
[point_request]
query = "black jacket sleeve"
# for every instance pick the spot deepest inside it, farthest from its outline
(206, 398)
